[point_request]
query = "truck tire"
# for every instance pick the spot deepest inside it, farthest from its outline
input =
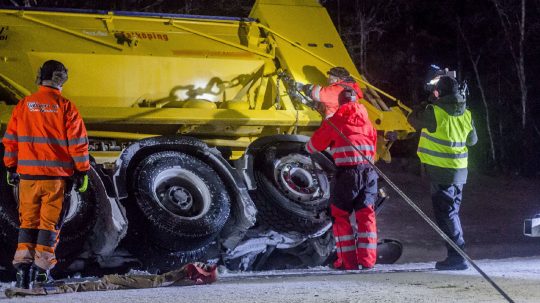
(78, 223)
(180, 195)
(9, 220)
(288, 195)
(163, 251)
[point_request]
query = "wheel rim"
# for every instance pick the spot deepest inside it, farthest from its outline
(182, 193)
(75, 203)
(296, 178)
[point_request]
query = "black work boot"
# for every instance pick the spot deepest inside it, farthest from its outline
(452, 263)
(23, 275)
(40, 276)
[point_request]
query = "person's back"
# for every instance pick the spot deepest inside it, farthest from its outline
(355, 183)
(327, 97)
(46, 150)
(49, 141)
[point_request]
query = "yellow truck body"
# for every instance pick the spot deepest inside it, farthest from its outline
(139, 76)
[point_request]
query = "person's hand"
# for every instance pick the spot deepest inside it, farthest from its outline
(391, 136)
(321, 108)
(12, 176)
(80, 181)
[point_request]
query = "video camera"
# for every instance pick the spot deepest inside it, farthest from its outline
(435, 73)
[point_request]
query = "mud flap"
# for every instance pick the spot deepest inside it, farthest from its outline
(388, 251)
(111, 225)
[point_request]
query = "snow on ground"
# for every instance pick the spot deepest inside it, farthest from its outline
(492, 215)
(413, 282)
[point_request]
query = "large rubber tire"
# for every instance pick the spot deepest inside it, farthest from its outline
(276, 205)
(77, 225)
(174, 235)
(160, 252)
(180, 195)
(9, 221)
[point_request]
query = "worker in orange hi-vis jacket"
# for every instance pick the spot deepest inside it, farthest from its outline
(326, 97)
(46, 148)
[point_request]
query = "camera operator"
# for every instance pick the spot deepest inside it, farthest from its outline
(447, 129)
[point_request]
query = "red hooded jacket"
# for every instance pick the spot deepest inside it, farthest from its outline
(352, 120)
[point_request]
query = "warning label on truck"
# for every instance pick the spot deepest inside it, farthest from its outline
(3, 33)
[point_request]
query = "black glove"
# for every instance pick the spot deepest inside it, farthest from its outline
(307, 89)
(80, 181)
(12, 176)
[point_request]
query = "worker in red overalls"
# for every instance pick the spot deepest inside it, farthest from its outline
(355, 182)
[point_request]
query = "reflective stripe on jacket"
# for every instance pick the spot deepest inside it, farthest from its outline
(446, 147)
(328, 95)
(352, 120)
(46, 136)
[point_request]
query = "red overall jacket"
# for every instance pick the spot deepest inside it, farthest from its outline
(328, 95)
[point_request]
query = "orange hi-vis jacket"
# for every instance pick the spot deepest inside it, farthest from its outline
(328, 95)
(46, 136)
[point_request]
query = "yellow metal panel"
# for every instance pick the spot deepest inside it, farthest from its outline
(134, 77)
(309, 27)
(122, 115)
(116, 79)
(106, 157)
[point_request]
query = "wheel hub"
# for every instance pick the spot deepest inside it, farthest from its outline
(182, 193)
(296, 178)
(181, 197)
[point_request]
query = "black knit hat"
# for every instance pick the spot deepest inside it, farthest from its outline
(446, 86)
(53, 71)
(339, 72)
(49, 67)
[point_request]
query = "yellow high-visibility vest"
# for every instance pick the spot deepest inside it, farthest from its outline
(446, 147)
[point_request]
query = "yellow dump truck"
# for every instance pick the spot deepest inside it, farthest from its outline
(196, 140)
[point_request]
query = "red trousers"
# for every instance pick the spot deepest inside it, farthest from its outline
(352, 252)
(40, 212)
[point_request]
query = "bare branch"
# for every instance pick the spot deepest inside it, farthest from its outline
(518, 57)
(474, 62)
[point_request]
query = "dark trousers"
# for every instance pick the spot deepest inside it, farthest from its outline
(446, 201)
(354, 187)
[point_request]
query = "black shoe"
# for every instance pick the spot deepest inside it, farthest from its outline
(39, 277)
(23, 276)
(452, 263)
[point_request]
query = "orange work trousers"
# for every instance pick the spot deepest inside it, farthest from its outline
(40, 214)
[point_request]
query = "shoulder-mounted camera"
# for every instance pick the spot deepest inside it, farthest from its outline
(436, 73)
